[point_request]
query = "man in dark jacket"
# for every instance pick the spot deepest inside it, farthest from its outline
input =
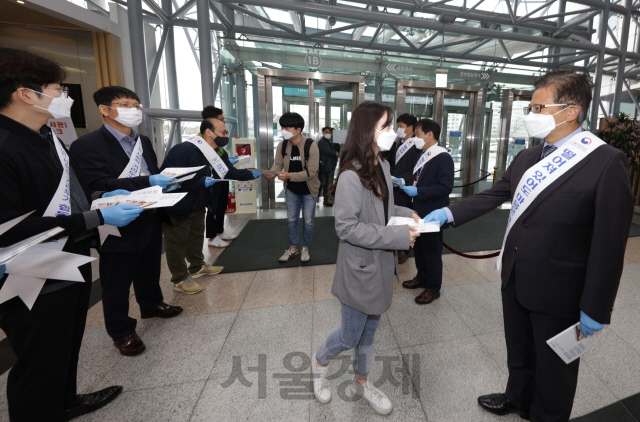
(184, 237)
(329, 158)
(429, 188)
(563, 251)
(117, 157)
(403, 158)
(38, 174)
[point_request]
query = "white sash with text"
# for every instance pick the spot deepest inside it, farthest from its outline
(135, 162)
(404, 148)
(428, 156)
(210, 154)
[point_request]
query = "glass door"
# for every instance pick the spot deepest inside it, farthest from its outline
(513, 134)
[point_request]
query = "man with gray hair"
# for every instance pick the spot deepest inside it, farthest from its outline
(563, 251)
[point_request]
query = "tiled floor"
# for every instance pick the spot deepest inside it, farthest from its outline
(433, 361)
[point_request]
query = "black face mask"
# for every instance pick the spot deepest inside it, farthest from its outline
(221, 141)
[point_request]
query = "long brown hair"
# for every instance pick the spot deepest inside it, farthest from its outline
(358, 152)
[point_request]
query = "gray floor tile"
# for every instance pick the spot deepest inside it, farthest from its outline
(624, 322)
(414, 324)
(4, 407)
(171, 404)
(452, 375)
(98, 357)
(496, 345)
(275, 331)
(406, 404)
(479, 305)
(616, 363)
(591, 393)
(178, 350)
(629, 290)
(237, 402)
(327, 318)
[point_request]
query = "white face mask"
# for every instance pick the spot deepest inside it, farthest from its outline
(286, 134)
(541, 125)
(60, 107)
(400, 133)
(419, 142)
(130, 117)
(327, 136)
(385, 140)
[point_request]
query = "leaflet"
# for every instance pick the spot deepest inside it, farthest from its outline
(421, 227)
(10, 252)
(243, 162)
(571, 344)
(145, 198)
(179, 171)
(398, 184)
(182, 179)
(275, 173)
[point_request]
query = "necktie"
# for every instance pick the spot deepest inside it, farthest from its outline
(548, 149)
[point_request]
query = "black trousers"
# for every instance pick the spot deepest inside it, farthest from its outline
(428, 254)
(117, 271)
(215, 219)
(539, 380)
(326, 180)
(46, 340)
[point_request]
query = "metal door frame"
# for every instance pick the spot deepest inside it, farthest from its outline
(475, 94)
(506, 113)
(487, 134)
(266, 79)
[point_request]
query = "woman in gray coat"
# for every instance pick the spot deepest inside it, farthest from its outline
(367, 255)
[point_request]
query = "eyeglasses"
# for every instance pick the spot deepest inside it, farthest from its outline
(125, 105)
(64, 90)
(537, 108)
(224, 132)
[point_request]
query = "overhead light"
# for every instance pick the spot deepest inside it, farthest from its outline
(446, 18)
(20, 1)
(441, 78)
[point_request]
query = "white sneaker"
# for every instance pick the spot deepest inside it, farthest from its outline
(305, 255)
(218, 243)
(288, 254)
(320, 387)
(225, 236)
(376, 398)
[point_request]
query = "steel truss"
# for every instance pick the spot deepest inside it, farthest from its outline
(525, 36)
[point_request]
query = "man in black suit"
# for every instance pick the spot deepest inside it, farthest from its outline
(403, 158)
(110, 158)
(564, 251)
(429, 188)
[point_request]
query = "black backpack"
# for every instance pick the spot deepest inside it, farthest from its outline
(307, 148)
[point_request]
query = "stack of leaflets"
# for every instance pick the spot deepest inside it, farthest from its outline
(180, 173)
(146, 198)
(571, 344)
(7, 254)
(421, 227)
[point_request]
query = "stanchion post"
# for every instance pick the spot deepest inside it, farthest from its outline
(495, 173)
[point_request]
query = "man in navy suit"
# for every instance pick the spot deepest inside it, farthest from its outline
(117, 157)
(431, 186)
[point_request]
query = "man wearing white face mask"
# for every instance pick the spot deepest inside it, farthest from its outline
(39, 176)
(329, 157)
(117, 157)
(297, 161)
(563, 251)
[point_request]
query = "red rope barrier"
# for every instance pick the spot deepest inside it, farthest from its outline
(464, 255)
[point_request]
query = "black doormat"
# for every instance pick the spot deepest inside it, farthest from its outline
(262, 242)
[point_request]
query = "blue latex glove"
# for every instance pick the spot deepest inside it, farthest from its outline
(3, 268)
(160, 180)
(256, 174)
(120, 215)
(171, 188)
(410, 190)
(234, 160)
(589, 326)
(398, 181)
(209, 181)
(437, 215)
(116, 192)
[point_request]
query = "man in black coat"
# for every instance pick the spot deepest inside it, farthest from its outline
(184, 235)
(109, 158)
(46, 339)
(564, 253)
(329, 158)
(429, 189)
(403, 157)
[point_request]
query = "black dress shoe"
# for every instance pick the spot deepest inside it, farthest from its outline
(130, 345)
(164, 311)
(499, 405)
(414, 284)
(88, 403)
(402, 257)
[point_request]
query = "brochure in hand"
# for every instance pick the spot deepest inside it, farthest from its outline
(8, 253)
(146, 198)
(422, 227)
(571, 344)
